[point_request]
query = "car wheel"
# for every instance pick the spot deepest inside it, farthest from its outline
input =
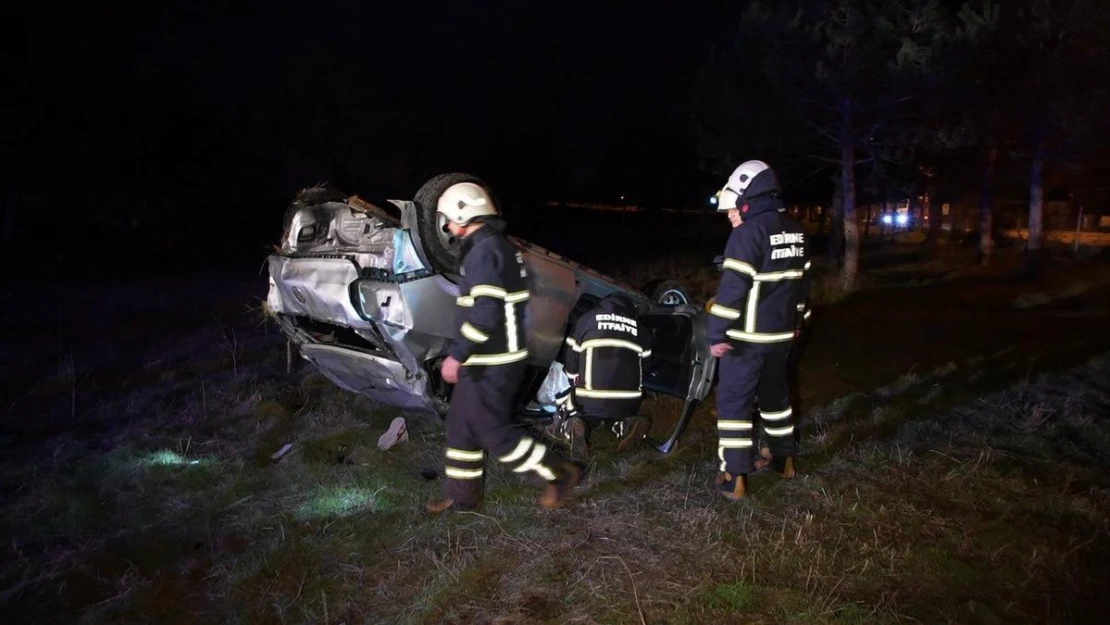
(440, 246)
(667, 293)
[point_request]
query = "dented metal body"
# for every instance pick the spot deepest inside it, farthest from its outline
(353, 287)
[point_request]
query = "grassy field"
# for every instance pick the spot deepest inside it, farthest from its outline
(954, 470)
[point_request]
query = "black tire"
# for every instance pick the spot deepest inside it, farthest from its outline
(667, 293)
(441, 249)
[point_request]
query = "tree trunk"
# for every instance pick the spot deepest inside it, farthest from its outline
(836, 233)
(932, 240)
(850, 267)
(821, 216)
(9, 222)
(867, 222)
(986, 207)
(1036, 208)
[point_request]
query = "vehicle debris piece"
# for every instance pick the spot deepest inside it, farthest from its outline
(398, 432)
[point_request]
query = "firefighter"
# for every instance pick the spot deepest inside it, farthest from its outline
(760, 303)
(606, 355)
(486, 361)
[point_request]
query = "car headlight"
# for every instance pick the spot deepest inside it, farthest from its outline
(887, 219)
(903, 219)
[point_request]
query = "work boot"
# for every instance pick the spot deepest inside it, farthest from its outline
(784, 466)
(632, 431)
(732, 487)
(556, 493)
(439, 506)
(576, 431)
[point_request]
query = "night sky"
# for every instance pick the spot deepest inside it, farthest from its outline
(185, 100)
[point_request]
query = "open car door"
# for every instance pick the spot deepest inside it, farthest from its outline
(680, 363)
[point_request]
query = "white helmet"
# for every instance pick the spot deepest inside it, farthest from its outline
(740, 184)
(464, 201)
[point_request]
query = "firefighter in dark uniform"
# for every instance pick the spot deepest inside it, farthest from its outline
(606, 355)
(486, 361)
(759, 306)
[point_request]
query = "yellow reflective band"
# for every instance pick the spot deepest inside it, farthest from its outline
(489, 290)
(516, 454)
(753, 308)
(800, 307)
(496, 359)
(573, 344)
(724, 311)
(734, 425)
(807, 314)
(776, 416)
(759, 337)
(533, 463)
(462, 474)
(513, 343)
(645, 353)
(786, 431)
(463, 455)
(739, 265)
(592, 343)
(808, 264)
(600, 394)
(538, 450)
(473, 333)
(465, 301)
(775, 276)
(734, 444)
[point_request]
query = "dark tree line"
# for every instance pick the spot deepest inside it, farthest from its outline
(900, 98)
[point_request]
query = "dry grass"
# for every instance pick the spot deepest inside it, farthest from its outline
(973, 491)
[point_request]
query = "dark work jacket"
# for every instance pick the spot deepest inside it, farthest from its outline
(765, 281)
(608, 350)
(493, 293)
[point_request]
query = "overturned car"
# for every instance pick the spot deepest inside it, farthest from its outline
(365, 290)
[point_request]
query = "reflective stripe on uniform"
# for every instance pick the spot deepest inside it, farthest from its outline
(473, 333)
(776, 416)
(786, 431)
(488, 290)
(602, 394)
(462, 474)
(513, 341)
(496, 359)
(775, 276)
(724, 311)
(573, 344)
(753, 308)
(760, 337)
(739, 443)
(739, 266)
(592, 343)
(464, 455)
(534, 461)
(518, 452)
(734, 425)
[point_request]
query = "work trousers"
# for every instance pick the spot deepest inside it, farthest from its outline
(479, 422)
(742, 373)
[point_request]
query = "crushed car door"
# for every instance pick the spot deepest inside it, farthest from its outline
(680, 364)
